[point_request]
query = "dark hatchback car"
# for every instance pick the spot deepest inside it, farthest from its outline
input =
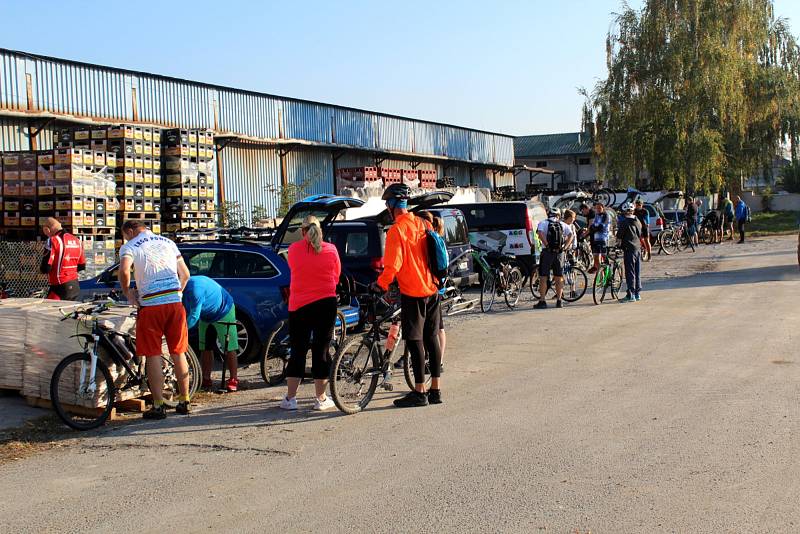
(361, 242)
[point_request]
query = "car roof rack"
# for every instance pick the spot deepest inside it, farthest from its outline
(241, 234)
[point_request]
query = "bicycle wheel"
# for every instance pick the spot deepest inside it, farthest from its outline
(276, 355)
(339, 331)
(171, 387)
(408, 372)
(616, 280)
(82, 404)
(707, 236)
(355, 373)
(575, 283)
(647, 255)
(513, 287)
(662, 241)
(682, 242)
(534, 284)
(488, 291)
(601, 285)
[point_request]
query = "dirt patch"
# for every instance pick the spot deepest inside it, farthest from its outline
(34, 436)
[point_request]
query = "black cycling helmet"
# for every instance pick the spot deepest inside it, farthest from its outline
(397, 191)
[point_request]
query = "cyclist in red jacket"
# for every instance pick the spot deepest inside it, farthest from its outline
(62, 260)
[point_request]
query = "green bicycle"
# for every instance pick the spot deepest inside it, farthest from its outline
(608, 279)
(499, 276)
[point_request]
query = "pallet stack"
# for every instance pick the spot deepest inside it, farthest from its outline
(138, 173)
(78, 189)
(19, 194)
(189, 200)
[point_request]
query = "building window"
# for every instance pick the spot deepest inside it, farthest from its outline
(585, 161)
(541, 164)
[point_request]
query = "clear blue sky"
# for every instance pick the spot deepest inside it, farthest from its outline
(510, 66)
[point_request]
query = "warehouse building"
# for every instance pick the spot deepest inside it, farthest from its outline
(567, 160)
(264, 143)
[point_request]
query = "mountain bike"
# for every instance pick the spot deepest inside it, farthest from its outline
(82, 389)
(366, 359)
(278, 350)
(608, 279)
(499, 277)
(575, 282)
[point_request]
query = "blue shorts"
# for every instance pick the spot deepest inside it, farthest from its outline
(692, 229)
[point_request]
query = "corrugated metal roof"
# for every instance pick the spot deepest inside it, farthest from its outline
(565, 144)
(72, 90)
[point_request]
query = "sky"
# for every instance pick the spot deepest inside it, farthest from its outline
(508, 66)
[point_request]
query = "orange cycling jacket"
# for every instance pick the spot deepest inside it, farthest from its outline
(406, 258)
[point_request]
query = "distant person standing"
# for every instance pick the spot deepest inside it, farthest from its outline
(556, 237)
(727, 217)
(629, 234)
(599, 230)
(742, 213)
(63, 259)
(644, 218)
(691, 221)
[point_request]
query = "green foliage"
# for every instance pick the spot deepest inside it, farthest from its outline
(258, 213)
(698, 93)
(790, 175)
(288, 194)
(766, 199)
(231, 215)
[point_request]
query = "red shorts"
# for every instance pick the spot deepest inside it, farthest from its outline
(167, 320)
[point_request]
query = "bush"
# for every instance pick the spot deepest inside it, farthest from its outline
(791, 177)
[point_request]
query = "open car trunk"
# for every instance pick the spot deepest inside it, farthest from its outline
(324, 207)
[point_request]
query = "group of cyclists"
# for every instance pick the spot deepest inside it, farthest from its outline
(170, 301)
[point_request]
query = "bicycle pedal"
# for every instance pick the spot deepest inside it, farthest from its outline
(388, 387)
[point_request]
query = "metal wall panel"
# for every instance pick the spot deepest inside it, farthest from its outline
(456, 143)
(78, 90)
(503, 150)
(353, 128)
(310, 122)
(481, 147)
(13, 135)
(428, 139)
(10, 83)
(252, 177)
(248, 114)
(174, 104)
(115, 95)
(395, 134)
(311, 169)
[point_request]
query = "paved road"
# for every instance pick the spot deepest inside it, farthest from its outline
(676, 414)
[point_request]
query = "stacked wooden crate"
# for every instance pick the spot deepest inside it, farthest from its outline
(189, 202)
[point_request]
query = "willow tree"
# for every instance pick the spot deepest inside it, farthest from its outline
(699, 92)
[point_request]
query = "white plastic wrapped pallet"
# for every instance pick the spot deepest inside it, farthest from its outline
(33, 340)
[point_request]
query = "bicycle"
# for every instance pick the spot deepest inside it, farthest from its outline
(575, 282)
(366, 359)
(608, 279)
(278, 349)
(82, 389)
(500, 276)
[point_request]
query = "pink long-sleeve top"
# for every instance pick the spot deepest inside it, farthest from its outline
(313, 276)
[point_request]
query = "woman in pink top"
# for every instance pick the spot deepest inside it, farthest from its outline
(315, 268)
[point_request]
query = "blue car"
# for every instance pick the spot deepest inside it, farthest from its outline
(255, 273)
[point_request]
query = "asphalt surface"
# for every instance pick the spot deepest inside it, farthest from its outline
(675, 414)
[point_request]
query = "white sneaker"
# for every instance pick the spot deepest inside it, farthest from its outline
(327, 404)
(289, 404)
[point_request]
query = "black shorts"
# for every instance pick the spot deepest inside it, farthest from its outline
(67, 291)
(727, 220)
(599, 247)
(421, 317)
(551, 261)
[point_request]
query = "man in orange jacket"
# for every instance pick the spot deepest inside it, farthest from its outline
(406, 259)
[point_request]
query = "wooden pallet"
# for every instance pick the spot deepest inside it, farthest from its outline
(80, 410)
(146, 215)
(92, 230)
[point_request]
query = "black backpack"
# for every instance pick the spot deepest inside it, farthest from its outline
(555, 236)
